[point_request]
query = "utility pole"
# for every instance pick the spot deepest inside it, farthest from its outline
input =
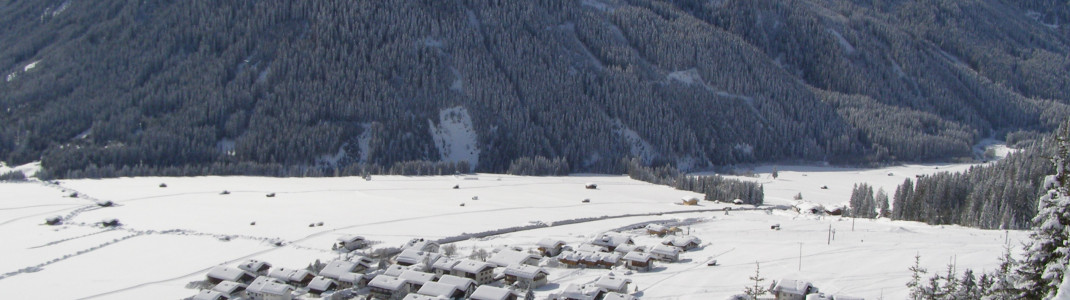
(800, 256)
(830, 235)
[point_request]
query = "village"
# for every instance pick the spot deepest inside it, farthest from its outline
(425, 269)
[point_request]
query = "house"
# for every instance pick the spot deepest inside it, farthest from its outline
(255, 266)
(298, 277)
(417, 278)
(638, 261)
(792, 289)
(486, 292)
(627, 248)
(689, 200)
(481, 272)
(550, 247)
(321, 284)
(336, 268)
(612, 283)
(210, 295)
(592, 248)
(267, 288)
(570, 258)
(464, 284)
(611, 240)
(665, 253)
(351, 242)
(525, 276)
(230, 288)
(598, 259)
(579, 292)
(619, 296)
(444, 266)
(508, 257)
(440, 290)
(412, 256)
(657, 229)
(685, 243)
(353, 280)
(422, 245)
(224, 273)
(389, 287)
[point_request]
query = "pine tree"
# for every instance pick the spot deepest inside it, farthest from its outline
(917, 291)
(758, 289)
(1047, 254)
(1002, 279)
(882, 203)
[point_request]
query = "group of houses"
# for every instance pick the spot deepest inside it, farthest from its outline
(611, 249)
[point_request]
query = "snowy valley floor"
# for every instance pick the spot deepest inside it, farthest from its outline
(172, 235)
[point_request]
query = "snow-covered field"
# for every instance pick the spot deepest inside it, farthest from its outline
(173, 235)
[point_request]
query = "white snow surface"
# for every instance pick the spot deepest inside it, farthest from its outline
(171, 236)
(455, 136)
(29, 169)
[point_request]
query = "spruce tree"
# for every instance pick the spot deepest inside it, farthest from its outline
(1046, 255)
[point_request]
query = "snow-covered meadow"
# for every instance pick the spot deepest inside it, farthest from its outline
(173, 235)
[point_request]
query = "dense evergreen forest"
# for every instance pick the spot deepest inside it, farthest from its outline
(104, 88)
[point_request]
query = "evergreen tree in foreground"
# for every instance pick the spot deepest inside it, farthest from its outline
(1046, 256)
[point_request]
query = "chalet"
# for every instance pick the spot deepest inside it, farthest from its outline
(267, 288)
(486, 292)
(336, 268)
(619, 296)
(481, 272)
(444, 266)
(353, 280)
(389, 287)
(550, 247)
(627, 248)
(224, 273)
(591, 186)
(411, 256)
(508, 257)
(417, 278)
(657, 229)
(638, 261)
(665, 253)
(525, 276)
(230, 288)
(689, 200)
(592, 248)
(298, 277)
(422, 245)
(255, 266)
(579, 292)
(351, 242)
(611, 240)
(321, 284)
(210, 295)
(395, 270)
(570, 258)
(464, 284)
(684, 243)
(440, 290)
(613, 284)
(792, 289)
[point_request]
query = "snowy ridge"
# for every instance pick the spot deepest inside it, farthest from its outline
(455, 136)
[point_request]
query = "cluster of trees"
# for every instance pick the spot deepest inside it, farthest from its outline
(539, 166)
(714, 187)
(865, 204)
(168, 85)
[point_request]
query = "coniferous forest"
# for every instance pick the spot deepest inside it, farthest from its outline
(296, 88)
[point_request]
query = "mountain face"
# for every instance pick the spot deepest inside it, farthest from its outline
(690, 83)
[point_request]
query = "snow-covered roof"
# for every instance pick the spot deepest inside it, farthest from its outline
(524, 271)
(336, 268)
(612, 282)
(414, 296)
(618, 296)
(412, 256)
(351, 278)
(629, 248)
(388, 282)
(421, 244)
(471, 266)
(681, 241)
(665, 250)
(507, 257)
(289, 274)
(229, 287)
(396, 270)
(581, 292)
(637, 256)
(226, 273)
(612, 239)
(209, 295)
(656, 227)
(417, 277)
(438, 289)
(550, 243)
(321, 283)
(591, 248)
(253, 265)
(461, 282)
(792, 286)
(486, 292)
(270, 286)
(350, 238)
(445, 263)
